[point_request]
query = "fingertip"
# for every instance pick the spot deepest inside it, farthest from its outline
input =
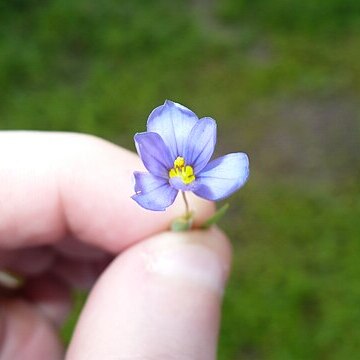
(222, 245)
(171, 283)
(187, 248)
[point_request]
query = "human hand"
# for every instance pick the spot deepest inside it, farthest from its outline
(65, 212)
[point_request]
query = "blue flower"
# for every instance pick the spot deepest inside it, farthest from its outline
(176, 150)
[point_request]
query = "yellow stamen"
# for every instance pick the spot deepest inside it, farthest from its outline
(173, 173)
(185, 172)
(179, 162)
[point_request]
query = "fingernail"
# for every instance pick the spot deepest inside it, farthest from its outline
(188, 258)
(10, 280)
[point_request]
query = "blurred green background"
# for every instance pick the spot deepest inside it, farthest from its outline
(282, 79)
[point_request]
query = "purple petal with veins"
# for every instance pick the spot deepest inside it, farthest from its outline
(173, 122)
(223, 176)
(176, 150)
(152, 192)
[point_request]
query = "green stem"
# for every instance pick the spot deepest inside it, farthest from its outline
(187, 209)
(183, 223)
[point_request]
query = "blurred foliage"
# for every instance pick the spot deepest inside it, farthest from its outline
(322, 17)
(282, 79)
(72, 65)
(295, 290)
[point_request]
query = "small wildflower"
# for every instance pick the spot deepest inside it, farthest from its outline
(176, 150)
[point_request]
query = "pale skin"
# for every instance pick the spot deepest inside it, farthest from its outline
(67, 220)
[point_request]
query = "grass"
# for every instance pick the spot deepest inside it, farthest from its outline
(282, 79)
(294, 292)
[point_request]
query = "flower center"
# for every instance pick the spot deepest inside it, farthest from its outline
(180, 169)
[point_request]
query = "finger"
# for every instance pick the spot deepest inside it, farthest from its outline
(159, 300)
(25, 334)
(53, 184)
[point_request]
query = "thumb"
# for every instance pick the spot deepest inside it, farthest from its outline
(158, 300)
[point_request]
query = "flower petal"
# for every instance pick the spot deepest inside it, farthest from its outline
(178, 184)
(201, 144)
(173, 122)
(154, 153)
(223, 176)
(152, 192)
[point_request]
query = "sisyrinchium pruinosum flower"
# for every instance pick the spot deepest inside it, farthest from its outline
(176, 150)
